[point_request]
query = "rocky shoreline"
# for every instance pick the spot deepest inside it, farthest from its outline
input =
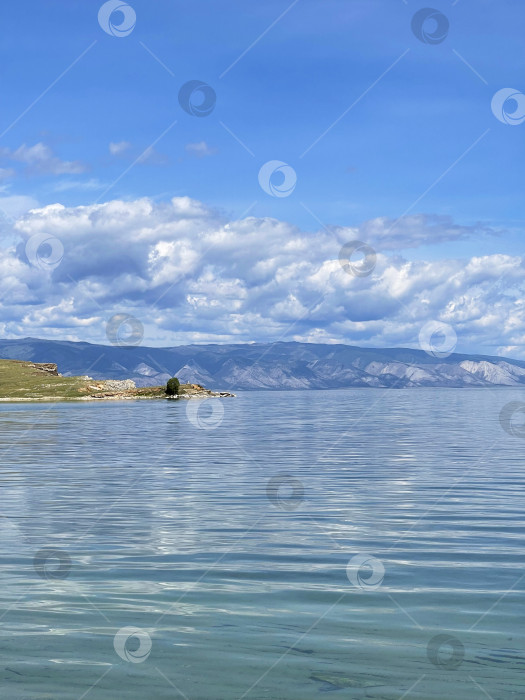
(118, 390)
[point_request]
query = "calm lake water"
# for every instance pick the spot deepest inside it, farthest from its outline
(359, 542)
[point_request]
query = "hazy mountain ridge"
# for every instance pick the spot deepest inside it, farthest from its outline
(267, 366)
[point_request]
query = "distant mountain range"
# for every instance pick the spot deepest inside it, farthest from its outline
(269, 366)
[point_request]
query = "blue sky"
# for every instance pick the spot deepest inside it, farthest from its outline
(295, 82)
(421, 138)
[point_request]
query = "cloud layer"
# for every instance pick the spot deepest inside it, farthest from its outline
(190, 275)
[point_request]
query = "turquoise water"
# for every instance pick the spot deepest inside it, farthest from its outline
(227, 548)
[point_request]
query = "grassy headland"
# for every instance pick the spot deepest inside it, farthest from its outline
(32, 381)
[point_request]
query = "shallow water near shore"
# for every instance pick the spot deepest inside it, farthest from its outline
(243, 587)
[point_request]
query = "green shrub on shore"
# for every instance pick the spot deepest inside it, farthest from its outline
(172, 387)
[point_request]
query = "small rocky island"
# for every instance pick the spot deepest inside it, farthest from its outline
(37, 381)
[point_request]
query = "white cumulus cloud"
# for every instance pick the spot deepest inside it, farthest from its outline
(200, 149)
(40, 160)
(117, 148)
(191, 275)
